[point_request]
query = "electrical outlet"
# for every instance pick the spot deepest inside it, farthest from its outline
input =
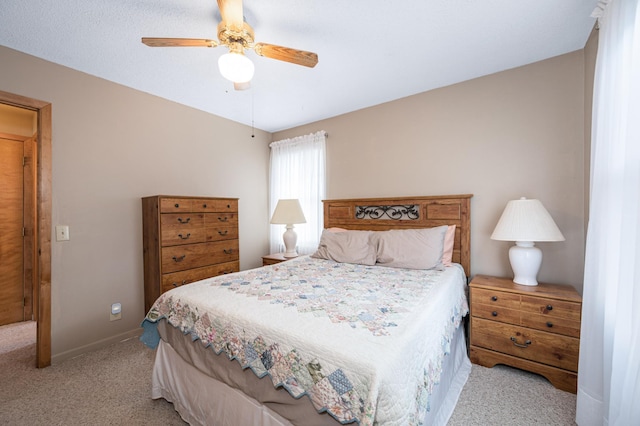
(62, 233)
(116, 312)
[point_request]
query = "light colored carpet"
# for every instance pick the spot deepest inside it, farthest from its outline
(111, 387)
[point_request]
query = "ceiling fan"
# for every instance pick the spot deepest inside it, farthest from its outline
(237, 35)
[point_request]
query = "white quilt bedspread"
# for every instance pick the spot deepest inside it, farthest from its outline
(365, 343)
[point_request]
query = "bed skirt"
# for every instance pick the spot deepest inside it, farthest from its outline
(203, 400)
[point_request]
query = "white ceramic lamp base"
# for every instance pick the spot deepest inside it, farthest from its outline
(525, 260)
(290, 238)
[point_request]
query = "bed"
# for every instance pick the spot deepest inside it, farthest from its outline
(367, 330)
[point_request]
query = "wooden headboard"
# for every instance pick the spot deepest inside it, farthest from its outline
(380, 214)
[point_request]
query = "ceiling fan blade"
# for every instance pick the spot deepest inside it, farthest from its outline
(231, 13)
(287, 54)
(178, 42)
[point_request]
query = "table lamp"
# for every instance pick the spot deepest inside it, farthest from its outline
(525, 222)
(288, 212)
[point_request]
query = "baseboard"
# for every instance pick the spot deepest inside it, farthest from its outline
(95, 345)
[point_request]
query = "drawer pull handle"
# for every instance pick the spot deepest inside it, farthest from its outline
(223, 219)
(494, 313)
(549, 308)
(179, 284)
(494, 298)
(184, 238)
(223, 233)
(228, 251)
(204, 206)
(520, 345)
(179, 259)
(549, 324)
(184, 221)
(176, 205)
(228, 206)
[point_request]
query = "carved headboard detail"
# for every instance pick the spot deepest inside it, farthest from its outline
(380, 214)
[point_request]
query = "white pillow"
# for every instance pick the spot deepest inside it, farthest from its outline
(346, 247)
(410, 248)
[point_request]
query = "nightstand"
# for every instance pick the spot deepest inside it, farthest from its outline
(534, 328)
(272, 259)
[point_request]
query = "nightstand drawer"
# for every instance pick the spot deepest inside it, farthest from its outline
(495, 313)
(539, 346)
(552, 325)
(551, 308)
(495, 298)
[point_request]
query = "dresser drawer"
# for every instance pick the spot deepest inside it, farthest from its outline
(175, 205)
(177, 236)
(177, 279)
(181, 220)
(539, 346)
(180, 258)
(221, 218)
(220, 233)
(215, 206)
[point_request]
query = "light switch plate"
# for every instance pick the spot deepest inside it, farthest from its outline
(62, 233)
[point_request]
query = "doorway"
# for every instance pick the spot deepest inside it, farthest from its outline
(17, 202)
(37, 222)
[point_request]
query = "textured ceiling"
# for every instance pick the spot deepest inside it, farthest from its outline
(370, 51)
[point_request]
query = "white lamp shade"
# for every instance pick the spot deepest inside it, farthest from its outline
(526, 220)
(288, 212)
(236, 67)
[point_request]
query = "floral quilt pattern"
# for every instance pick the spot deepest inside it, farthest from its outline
(343, 293)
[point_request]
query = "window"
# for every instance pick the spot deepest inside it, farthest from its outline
(298, 171)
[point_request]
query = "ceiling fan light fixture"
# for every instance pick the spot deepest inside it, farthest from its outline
(236, 67)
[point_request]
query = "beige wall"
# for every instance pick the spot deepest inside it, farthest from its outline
(520, 132)
(111, 146)
(515, 133)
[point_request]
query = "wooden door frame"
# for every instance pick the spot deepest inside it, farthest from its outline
(42, 231)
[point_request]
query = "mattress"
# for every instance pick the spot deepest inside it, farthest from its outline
(357, 344)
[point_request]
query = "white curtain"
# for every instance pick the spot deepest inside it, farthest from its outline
(298, 171)
(609, 366)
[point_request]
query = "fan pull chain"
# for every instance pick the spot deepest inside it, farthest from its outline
(253, 133)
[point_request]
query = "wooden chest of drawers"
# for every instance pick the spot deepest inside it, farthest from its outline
(186, 239)
(535, 328)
